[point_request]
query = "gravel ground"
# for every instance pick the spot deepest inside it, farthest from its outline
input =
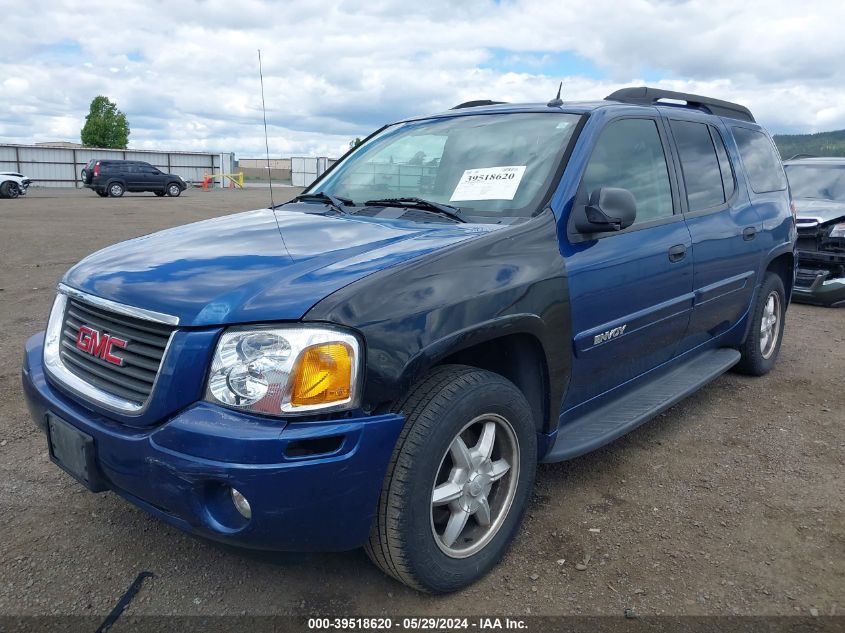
(729, 503)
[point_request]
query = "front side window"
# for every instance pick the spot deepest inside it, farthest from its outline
(629, 155)
(700, 165)
(487, 165)
(761, 162)
(817, 182)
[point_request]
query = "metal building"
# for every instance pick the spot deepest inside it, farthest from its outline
(60, 166)
(304, 170)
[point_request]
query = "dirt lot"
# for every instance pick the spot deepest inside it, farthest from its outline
(730, 503)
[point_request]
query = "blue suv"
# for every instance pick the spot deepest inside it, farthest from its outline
(383, 361)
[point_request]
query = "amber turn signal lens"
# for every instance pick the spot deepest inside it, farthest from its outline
(323, 374)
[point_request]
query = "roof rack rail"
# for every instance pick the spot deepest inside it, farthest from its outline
(476, 103)
(802, 156)
(643, 95)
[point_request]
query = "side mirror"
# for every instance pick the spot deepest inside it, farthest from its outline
(609, 209)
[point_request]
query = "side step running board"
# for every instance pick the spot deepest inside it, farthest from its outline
(616, 418)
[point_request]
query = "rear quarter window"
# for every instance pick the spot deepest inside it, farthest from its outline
(761, 162)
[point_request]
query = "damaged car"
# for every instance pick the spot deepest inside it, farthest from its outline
(818, 192)
(13, 184)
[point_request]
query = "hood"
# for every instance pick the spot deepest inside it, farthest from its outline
(255, 266)
(819, 210)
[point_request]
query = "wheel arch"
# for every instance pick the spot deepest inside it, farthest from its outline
(510, 347)
(782, 262)
(783, 265)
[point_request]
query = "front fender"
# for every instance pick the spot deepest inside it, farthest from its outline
(511, 281)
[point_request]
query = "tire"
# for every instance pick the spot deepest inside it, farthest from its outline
(115, 189)
(174, 190)
(411, 535)
(762, 344)
(84, 175)
(9, 189)
(160, 194)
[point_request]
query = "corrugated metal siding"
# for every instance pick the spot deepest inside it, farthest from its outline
(305, 170)
(60, 167)
(84, 155)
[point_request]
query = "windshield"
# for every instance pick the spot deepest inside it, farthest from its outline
(814, 181)
(490, 165)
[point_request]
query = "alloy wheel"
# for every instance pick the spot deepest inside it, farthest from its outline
(770, 325)
(475, 486)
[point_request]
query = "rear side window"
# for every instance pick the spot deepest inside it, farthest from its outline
(702, 174)
(629, 154)
(762, 164)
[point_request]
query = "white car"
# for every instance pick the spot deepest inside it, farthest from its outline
(13, 184)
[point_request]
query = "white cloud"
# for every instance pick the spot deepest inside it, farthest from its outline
(186, 73)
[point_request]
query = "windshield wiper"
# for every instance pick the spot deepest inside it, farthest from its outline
(336, 203)
(446, 210)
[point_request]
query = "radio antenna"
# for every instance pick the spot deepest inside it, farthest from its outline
(557, 101)
(266, 141)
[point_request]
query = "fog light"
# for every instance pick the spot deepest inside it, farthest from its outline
(241, 504)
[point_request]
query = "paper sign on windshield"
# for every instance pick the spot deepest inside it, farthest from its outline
(489, 183)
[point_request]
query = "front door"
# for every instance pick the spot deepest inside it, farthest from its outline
(152, 178)
(631, 290)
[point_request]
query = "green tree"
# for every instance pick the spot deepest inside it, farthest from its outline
(355, 142)
(105, 125)
(818, 144)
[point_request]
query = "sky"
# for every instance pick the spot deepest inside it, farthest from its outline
(186, 73)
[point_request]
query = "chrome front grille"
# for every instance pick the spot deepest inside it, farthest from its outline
(106, 352)
(145, 343)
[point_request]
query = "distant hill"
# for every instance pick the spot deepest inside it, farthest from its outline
(819, 144)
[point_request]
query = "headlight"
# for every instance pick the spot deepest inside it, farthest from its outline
(285, 371)
(838, 230)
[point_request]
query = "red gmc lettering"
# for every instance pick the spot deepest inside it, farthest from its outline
(98, 344)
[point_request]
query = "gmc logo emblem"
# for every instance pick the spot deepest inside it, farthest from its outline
(98, 344)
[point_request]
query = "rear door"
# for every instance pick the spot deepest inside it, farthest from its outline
(128, 172)
(631, 290)
(724, 226)
(108, 169)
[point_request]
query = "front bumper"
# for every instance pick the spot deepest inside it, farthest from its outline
(820, 280)
(311, 485)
